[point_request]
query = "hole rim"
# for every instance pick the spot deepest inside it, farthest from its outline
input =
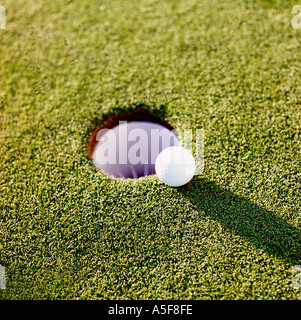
(139, 114)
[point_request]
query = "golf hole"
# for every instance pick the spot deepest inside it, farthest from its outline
(127, 145)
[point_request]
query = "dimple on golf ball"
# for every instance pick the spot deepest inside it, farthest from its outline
(175, 166)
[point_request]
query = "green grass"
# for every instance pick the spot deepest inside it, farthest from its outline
(67, 231)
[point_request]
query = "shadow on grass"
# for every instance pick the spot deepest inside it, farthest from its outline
(239, 215)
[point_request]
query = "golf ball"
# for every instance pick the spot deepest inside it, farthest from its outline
(175, 166)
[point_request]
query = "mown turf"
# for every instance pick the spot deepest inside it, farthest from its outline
(67, 231)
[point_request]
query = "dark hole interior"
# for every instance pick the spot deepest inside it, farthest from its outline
(126, 145)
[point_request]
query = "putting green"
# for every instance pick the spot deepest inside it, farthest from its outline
(231, 67)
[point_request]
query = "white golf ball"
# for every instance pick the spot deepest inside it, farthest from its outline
(175, 166)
